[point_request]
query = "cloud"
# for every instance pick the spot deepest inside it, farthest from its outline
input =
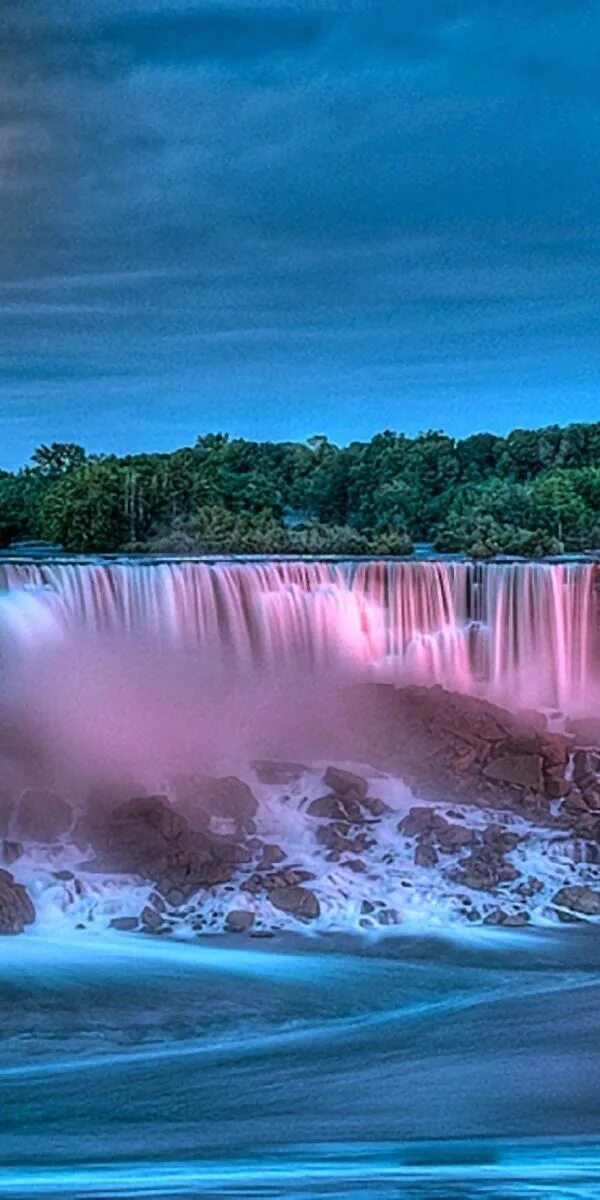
(333, 195)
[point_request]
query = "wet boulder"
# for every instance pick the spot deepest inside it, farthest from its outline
(578, 899)
(42, 816)
(586, 731)
(426, 855)
(420, 819)
(345, 783)
(16, 906)
(226, 805)
(238, 920)
(524, 770)
(299, 902)
(125, 924)
(278, 773)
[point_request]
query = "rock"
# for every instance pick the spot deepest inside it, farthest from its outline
(238, 920)
(555, 751)
(419, 819)
(64, 876)
(501, 840)
(484, 870)
(125, 924)
(355, 864)
(509, 920)
(425, 855)
(586, 730)
(377, 807)
(16, 906)
(578, 899)
(281, 773)
(585, 764)
(453, 837)
(327, 806)
(152, 920)
(442, 743)
(556, 789)
(345, 783)
(525, 770)
(42, 816)
(151, 813)
(591, 795)
(388, 916)
(530, 888)
(271, 854)
(11, 851)
(227, 851)
(530, 716)
(298, 901)
(227, 798)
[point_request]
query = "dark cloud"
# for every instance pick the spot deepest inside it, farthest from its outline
(285, 217)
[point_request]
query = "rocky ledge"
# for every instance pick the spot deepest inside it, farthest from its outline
(461, 812)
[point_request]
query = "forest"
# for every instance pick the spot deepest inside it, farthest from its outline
(532, 493)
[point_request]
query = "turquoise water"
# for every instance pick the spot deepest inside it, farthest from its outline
(416, 1068)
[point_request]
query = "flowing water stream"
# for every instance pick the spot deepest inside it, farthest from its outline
(412, 1069)
(406, 1068)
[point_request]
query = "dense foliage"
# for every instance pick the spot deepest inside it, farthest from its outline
(534, 492)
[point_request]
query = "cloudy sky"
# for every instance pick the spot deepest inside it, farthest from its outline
(285, 218)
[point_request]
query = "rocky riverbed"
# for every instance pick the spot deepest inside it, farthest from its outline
(445, 809)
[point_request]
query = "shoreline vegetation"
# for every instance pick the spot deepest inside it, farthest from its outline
(534, 493)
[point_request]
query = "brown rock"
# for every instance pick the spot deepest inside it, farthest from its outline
(327, 806)
(280, 773)
(344, 782)
(578, 899)
(271, 854)
(530, 887)
(426, 855)
(226, 799)
(509, 920)
(355, 864)
(501, 840)
(557, 788)
(377, 807)
(453, 837)
(16, 906)
(298, 901)
(419, 819)
(586, 730)
(126, 924)
(238, 920)
(524, 770)
(151, 919)
(585, 765)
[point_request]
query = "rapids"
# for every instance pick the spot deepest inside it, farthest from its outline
(417, 1069)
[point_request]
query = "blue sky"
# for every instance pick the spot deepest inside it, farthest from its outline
(289, 218)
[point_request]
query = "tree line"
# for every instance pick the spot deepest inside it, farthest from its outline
(533, 493)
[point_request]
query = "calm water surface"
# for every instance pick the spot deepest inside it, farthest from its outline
(417, 1069)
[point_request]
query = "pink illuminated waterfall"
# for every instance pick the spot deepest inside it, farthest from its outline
(523, 632)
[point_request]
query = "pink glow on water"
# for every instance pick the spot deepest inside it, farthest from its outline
(127, 667)
(524, 631)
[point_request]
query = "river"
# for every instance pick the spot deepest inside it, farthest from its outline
(413, 1068)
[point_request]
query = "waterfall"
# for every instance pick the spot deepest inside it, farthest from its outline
(524, 632)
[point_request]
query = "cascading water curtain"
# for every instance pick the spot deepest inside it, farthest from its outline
(524, 632)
